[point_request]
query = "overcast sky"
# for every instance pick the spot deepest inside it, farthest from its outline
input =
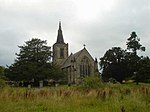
(99, 24)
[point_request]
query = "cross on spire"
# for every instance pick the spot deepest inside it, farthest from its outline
(84, 45)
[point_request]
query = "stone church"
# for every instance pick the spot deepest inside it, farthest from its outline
(77, 65)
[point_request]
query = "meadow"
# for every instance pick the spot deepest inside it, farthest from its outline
(110, 98)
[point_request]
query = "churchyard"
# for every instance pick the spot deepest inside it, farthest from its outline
(108, 98)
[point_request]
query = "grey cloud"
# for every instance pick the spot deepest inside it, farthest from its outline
(21, 20)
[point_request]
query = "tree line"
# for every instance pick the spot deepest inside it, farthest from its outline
(33, 63)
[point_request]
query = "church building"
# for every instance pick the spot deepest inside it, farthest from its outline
(77, 65)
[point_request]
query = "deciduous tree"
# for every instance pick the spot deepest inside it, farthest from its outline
(113, 64)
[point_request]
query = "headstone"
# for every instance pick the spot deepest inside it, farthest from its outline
(29, 86)
(56, 85)
(41, 84)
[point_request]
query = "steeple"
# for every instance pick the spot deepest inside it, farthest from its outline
(60, 48)
(60, 38)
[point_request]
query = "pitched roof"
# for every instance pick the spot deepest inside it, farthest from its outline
(73, 57)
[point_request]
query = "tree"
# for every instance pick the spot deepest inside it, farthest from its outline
(143, 73)
(33, 62)
(58, 74)
(2, 77)
(133, 45)
(2, 69)
(113, 64)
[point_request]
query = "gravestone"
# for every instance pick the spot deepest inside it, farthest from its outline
(29, 86)
(41, 84)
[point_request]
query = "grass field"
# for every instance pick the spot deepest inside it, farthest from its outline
(111, 98)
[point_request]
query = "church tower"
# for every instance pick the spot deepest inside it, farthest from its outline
(60, 48)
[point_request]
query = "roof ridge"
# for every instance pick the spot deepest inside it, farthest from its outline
(78, 52)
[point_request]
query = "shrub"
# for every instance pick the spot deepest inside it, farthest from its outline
(2, 83)
(92, 82)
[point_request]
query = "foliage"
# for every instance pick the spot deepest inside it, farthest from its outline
(121, 64)
(92, 82)
(34, 50)
(2, 69)
(2, 83)
(2, 77)
(33, 62)
(143, 73)
(133, 43)
(132, 64)
(113, 64)
(58, 74)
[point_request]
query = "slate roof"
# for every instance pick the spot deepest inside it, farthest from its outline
(73, 57)
(67, 62)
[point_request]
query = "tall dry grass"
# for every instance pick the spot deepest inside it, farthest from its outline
(111, 98)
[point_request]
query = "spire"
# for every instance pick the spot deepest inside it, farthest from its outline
(59, 25)
(60, 38)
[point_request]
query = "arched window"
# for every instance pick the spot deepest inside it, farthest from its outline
(85, 67)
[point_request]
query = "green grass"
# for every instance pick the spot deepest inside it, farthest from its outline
(111, 98)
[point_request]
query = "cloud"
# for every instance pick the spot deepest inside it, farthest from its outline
(111, 25)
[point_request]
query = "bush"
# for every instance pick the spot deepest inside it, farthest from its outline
(92, 82)
(2, 83)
